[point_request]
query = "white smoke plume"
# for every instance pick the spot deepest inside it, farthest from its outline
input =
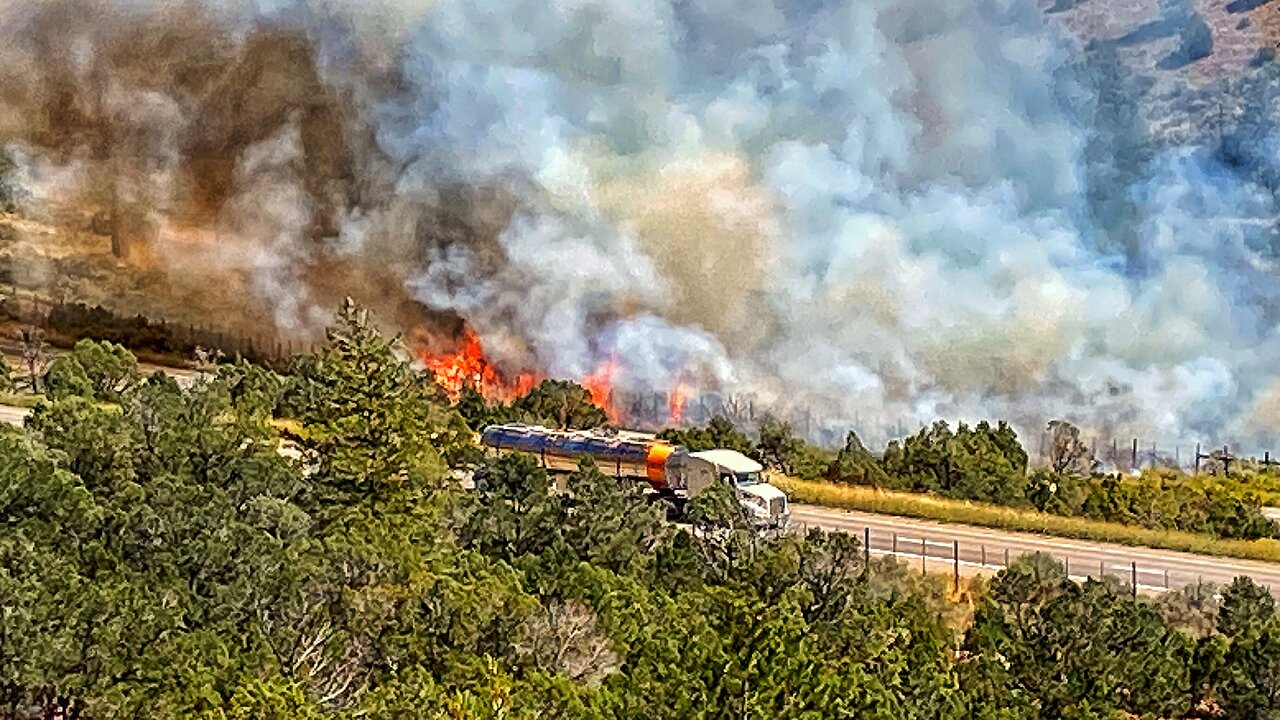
(864, 207)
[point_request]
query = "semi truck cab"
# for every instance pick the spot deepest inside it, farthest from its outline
(766, 504)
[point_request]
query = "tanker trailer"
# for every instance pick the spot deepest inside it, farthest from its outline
(670, 471)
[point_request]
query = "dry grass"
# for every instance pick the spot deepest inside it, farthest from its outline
(20, 399)
(854, 497)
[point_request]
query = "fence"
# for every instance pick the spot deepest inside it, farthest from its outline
(939, 555)
(1113, 454)
(168, 339)
(158, 336)
(1135, 455)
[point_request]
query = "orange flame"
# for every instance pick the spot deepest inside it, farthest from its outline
(599, 385)
(468, 367)
(678, 399)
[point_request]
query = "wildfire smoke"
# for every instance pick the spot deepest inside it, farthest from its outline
(895, 206)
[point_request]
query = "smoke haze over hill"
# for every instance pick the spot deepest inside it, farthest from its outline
(976, 209)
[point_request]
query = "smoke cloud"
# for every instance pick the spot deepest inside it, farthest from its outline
(871, 208)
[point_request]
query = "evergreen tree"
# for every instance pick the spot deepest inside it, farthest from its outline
(512, 511)
(560, 404)
(610, 523)
(855, 464)
(103, 371)
(1245, 605)
(366, 415)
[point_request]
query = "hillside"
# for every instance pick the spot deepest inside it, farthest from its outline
(1200, 68)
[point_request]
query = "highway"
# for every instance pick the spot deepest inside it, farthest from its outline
(983, 551)
(931, 545)
(13, 415)
(12, 353)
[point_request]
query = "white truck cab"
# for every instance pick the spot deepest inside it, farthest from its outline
(694, 471)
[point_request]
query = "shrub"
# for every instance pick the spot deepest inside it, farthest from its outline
(93, 369)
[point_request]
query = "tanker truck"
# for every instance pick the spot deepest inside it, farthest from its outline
(671, 471)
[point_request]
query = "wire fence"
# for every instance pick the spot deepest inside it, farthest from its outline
(964, 558)
(62, 323)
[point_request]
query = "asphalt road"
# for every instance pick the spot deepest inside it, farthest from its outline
(13, 415)
(933, 545)
(984, 551)
(12, 352)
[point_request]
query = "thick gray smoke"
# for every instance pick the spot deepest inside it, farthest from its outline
(900, 208)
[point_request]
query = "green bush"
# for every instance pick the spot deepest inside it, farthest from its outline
(979, 463)
(854, 464)
(720, 432)
(559, 403)
(94, 369)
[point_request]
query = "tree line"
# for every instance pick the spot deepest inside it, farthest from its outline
(987, 463)
(271, 546)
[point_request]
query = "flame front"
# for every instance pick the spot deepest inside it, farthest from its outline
(678, 399)
(468, 367)
(599, 385)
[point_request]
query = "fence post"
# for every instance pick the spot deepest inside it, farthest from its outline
(1134, 463)
(895, 545)
(1133, 575)
(955, 563)
(1166, 579)
(1066, 566)
(1006, 557)
(1102, 570)
(984, 555)
(924, 565)
(866, 549)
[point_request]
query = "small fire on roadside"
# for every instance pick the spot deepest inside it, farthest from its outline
(468, 367)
